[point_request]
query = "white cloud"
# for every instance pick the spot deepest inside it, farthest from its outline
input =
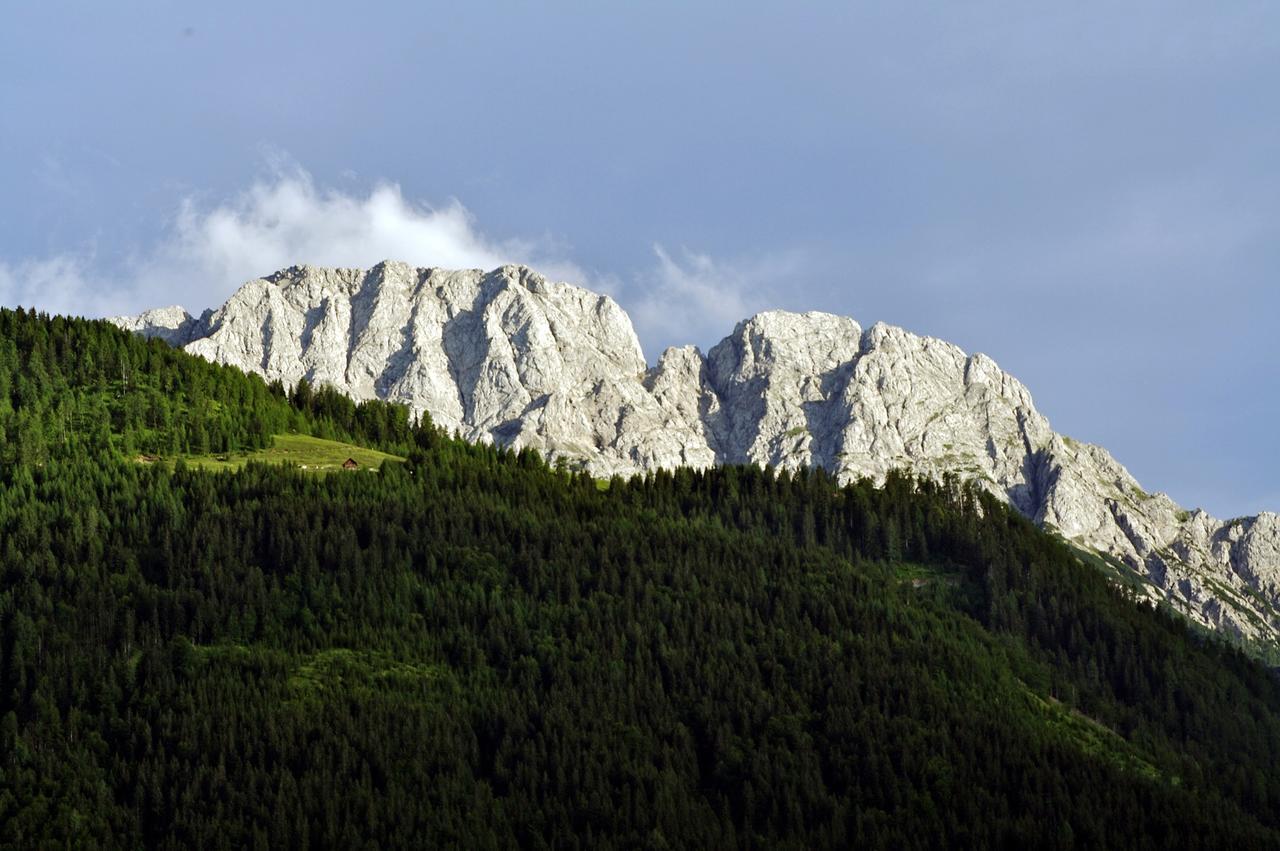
(693, 298)
(59, 284)
(288, 220)
(209, 251)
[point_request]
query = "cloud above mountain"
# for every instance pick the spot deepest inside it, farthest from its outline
(286, 218)
(58, 284)
(278, 221)
(691, 297)
(289, 219)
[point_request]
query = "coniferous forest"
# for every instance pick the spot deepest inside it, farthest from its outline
(474, 649)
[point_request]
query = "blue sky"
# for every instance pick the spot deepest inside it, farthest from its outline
(1087, 192)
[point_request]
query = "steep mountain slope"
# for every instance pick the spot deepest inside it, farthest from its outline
(512, 357)
(471, 648)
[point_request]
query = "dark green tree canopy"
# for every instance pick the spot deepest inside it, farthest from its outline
(472, 649)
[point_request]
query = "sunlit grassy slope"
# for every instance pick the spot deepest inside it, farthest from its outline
(310, 453)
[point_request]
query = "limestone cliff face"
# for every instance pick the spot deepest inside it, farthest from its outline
(512, 357)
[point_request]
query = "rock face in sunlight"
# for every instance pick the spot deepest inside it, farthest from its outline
(511, 357)
(171, 324)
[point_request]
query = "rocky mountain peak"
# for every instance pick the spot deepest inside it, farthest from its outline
(513, 357)
(172, 324)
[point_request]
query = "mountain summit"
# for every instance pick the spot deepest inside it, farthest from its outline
(512, 357)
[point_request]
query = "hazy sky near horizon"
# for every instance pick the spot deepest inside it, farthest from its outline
(1089, 193)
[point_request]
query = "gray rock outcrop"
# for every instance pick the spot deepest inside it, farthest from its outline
(511, 357)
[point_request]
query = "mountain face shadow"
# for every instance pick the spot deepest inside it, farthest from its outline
(1028, 495)
(741, 405)
(310, 321)
(398, 362)
(363, 302)
(463, 340)
(268, 338)
(825, 442)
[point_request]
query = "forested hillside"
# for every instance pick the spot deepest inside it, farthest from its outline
(75, 388)
(473, 649)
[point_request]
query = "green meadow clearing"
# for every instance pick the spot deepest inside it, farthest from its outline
(307, 452)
